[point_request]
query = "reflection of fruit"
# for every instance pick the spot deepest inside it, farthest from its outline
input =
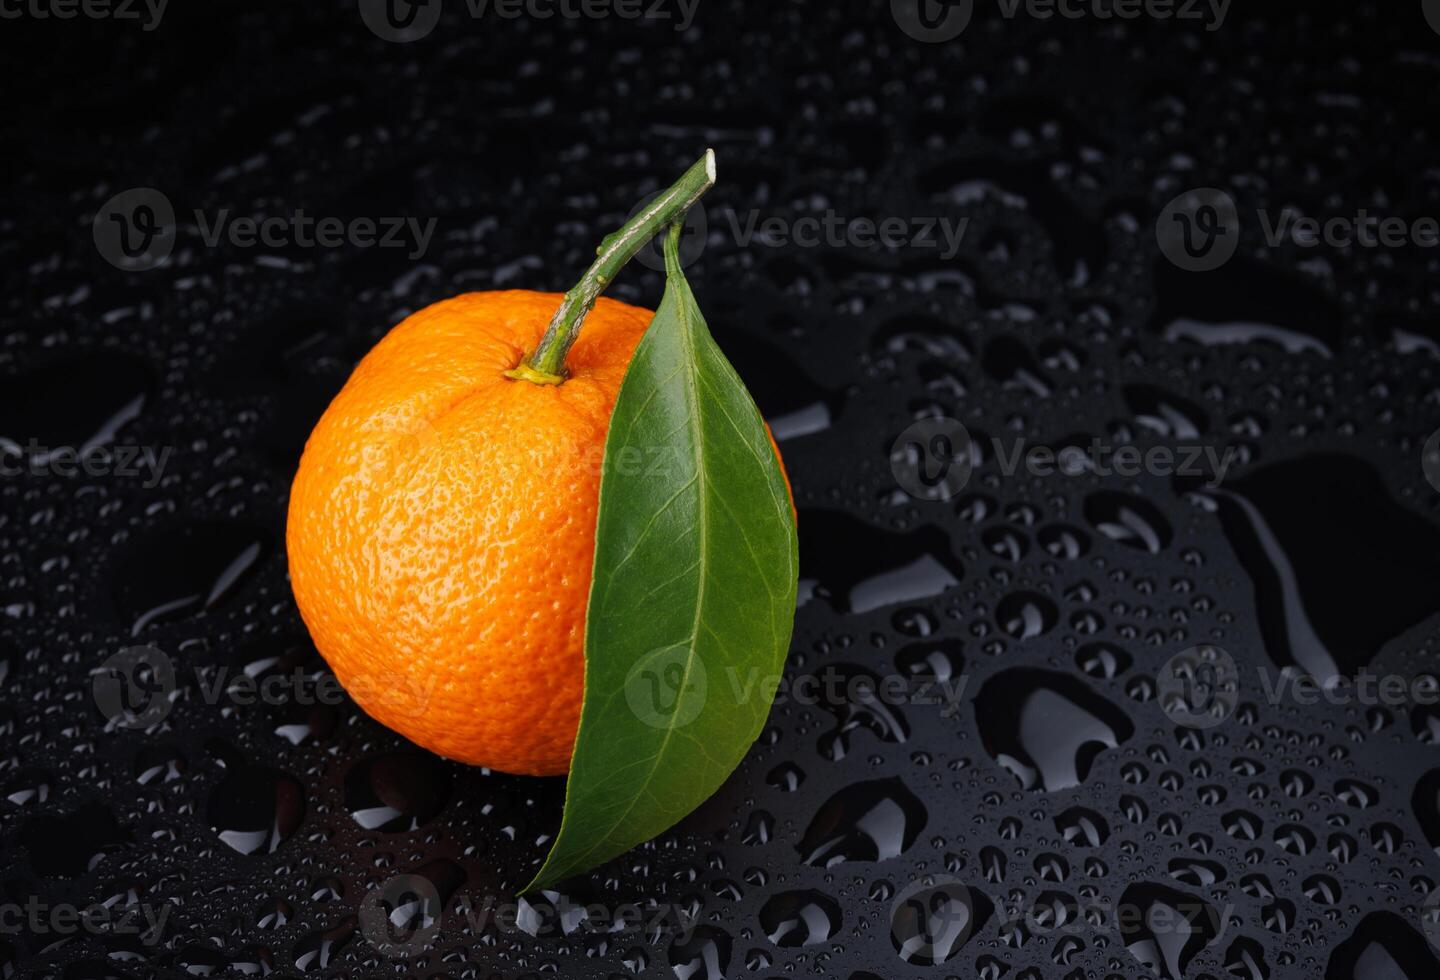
(442, 527)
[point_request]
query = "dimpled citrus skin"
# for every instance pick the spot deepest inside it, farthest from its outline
(442, 527)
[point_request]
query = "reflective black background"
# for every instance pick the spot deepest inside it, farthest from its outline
(1053, 811)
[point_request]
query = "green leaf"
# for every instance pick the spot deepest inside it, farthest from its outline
(693, 597)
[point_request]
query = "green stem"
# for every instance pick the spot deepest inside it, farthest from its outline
(547, 364)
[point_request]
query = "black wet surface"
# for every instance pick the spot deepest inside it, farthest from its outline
(1294, 840)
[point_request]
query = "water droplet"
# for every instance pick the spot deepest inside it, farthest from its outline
(253, 808)
(176, 573)
(1164, 928)
(1383, 947)
(66, 845)
(800, 918)
(1128, 520)
(840, 555)
(870, 821)
(397, 791)
(930, 923)
(1046, 727)
(1339, 568)
(79, 403)
(704, 955)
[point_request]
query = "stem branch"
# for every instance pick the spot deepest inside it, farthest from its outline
(547, 364)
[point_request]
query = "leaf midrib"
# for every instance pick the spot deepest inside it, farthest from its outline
(698, 430)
